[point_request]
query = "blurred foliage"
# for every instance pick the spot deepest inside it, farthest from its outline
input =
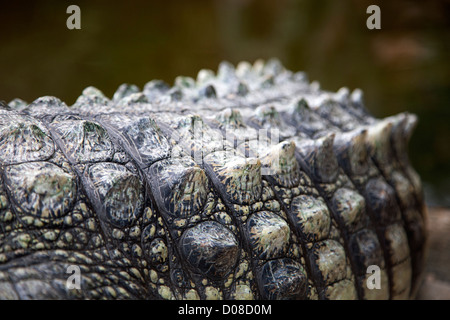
(402, 67)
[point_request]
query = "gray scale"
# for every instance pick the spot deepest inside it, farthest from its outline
(248, 183)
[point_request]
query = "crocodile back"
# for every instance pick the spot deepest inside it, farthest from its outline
(247, 183)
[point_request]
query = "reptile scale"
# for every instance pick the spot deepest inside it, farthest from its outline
(247, 183)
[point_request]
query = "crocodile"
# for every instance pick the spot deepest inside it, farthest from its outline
(251, 182)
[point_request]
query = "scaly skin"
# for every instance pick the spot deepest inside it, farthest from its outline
(176, 193)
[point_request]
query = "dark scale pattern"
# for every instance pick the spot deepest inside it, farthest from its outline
(251, 183)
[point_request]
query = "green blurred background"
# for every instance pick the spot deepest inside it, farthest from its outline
(405, 66)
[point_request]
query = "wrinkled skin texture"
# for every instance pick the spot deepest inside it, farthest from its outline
(174, 193)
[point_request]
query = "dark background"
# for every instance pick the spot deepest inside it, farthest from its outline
(405, 66)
